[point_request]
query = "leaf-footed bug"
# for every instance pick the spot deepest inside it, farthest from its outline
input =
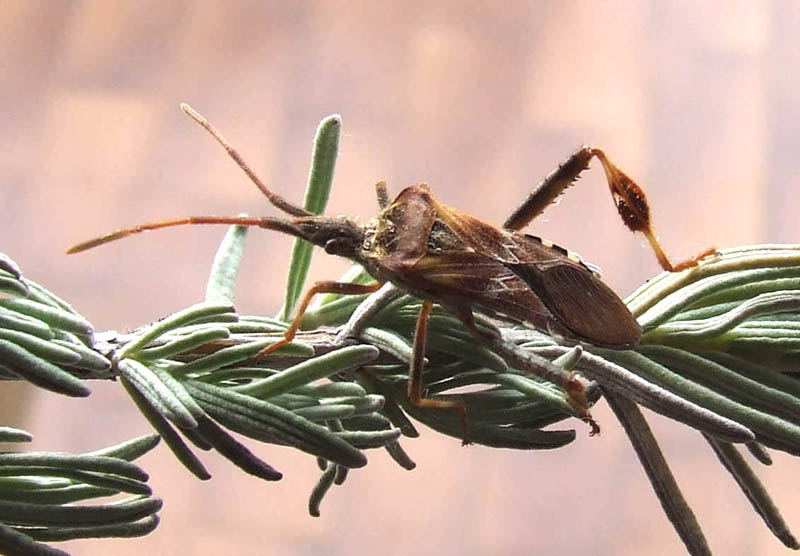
(444, 256)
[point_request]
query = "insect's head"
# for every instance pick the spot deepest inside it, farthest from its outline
(338, 235)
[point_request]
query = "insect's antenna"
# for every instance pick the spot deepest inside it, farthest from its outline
(276, 200)
(119, 234)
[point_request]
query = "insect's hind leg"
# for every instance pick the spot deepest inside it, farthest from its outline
(415, 379)
(344, 288)
(629, 199)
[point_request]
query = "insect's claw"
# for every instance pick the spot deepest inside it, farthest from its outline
(710, 253)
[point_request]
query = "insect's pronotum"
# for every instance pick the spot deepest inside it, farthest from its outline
(444, 256)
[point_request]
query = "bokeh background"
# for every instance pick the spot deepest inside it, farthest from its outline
(698, 101)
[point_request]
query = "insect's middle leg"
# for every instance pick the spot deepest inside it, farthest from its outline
(415, 382)
(572, 383)
(629, 199)
(344, 288)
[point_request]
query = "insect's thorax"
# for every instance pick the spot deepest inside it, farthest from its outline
(397, 238)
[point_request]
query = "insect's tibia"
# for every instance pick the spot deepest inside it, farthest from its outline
(661, 255)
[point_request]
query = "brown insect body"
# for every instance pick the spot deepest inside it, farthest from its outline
(438, 253)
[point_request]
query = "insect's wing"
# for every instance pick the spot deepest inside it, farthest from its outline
(478, 235)
(470, 278)
(581, 302)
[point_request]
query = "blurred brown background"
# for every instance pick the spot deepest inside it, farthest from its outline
(700, 102)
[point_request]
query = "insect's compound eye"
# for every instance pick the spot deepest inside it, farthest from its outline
(335, 246)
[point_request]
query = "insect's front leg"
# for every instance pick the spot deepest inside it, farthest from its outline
(415, 382)
(344, 288)
(629, 199)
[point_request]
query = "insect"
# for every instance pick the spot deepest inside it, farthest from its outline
(444, 256)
